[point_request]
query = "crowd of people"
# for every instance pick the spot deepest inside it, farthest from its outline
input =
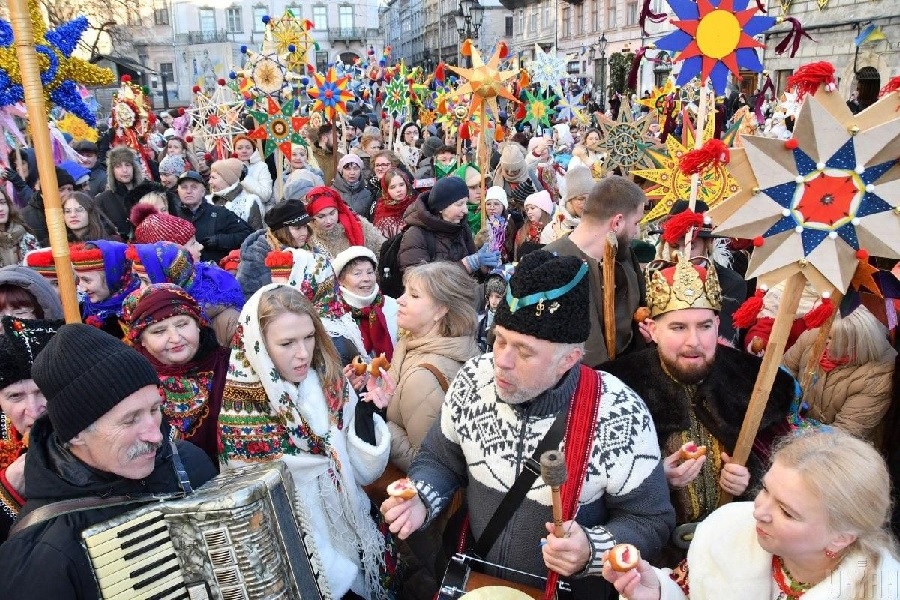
(227, 306)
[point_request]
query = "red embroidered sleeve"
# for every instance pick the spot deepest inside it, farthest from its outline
(680, 576)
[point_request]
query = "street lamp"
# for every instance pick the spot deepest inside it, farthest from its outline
(601, 45)
(469, 18)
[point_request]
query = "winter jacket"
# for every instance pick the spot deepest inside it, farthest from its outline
(35, 284)
(452, 241)
(115, 204)
(238, 200)
(326, 162)
(418, 398)
(24, 190)
(218, 229)
(335, 241)
(47, 560)
(36, 219)
(15, 243)
(258, 181)
(852, 397)
(98, 179)
(356, 196)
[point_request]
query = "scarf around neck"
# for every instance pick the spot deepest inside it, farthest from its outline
(368, 313)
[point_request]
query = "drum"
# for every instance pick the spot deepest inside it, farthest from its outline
(461, 582)
(497, 592)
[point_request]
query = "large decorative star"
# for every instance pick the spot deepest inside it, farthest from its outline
(627, 140)
(716, 183)
(714, 38)
(330, 94)
(292, 39)
(278, 126)
(485, 82)
(813, 202)
(656, 102)
(549, 70)
(396, 97)
(568, 109)
(60, 73)
(537, 109)
(216, 119)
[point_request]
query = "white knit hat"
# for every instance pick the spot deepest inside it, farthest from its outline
(349, 255)
(498, 194)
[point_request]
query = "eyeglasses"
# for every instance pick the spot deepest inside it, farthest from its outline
(382, 165)
(74, 211)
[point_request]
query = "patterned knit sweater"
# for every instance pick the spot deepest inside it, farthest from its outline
(481, 442)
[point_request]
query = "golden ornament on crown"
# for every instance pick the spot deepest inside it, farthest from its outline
(683, 285)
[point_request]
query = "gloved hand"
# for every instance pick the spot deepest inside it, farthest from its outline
(12, 176)
(210, 241)
(485, 257)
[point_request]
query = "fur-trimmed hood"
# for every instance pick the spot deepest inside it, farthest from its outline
(121, 154)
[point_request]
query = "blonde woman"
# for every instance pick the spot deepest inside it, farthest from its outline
(287, 399)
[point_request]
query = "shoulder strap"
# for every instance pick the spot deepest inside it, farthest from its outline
(64, 507)
(429, 242)
(520, 487)
(442, 381)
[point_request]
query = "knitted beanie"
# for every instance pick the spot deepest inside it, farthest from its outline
(63, 177)
(349, 255)
(542, 200)
(495, 284)
(155, 303)
(579, 182)
(445, 192)
(84, 373)
(229, 169)
(172, 164)
(548, 298)
(151, 226)
(41, 261)
(21, 341)
(498, 194)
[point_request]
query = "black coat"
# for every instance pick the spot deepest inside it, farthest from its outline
(47, 560)
(218, 229)
(115, 204)
(452, 241)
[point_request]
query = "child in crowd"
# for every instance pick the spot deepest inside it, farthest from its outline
(494, 290)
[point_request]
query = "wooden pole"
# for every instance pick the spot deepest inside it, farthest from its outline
(812, 366)
(695, 178)
(484, 163)
(781, 328)
(37, 123)
(334, 149)
(609, 292)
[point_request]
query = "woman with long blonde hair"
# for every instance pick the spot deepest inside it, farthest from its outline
(286, 398)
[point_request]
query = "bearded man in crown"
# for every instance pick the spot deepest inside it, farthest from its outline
(697, 391)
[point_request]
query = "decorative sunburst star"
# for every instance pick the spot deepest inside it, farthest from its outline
(548, 69)
(814, 201)
(568, 109)
(216, 119)
(626, 140)
(657, 100)
(537, 107)
(396, 97)
(278, 126)
(714, 38)
(716, 183)
(330, 94)
(485, 81)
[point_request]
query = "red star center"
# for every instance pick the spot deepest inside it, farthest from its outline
(329, 94)
(829, 199)
(213, 120)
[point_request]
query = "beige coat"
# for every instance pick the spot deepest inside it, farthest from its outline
(853, 397)
(418, 398)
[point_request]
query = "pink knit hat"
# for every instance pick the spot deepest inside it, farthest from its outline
(151, 226)
(542, 200)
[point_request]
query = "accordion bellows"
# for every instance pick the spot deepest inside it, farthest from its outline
(241, 536)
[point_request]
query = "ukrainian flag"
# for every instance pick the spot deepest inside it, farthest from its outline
(870, 33)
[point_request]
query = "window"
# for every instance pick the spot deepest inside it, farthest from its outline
(233, 21)
(521, 21)
(567, 21)
(345, 18)
(508, 22)
(631, 13)
(320, 17)
(596, 25)
(532, 20)
(545, 15)
(258, 13)
(161, 16)
(321, 61)
(611, 15)
(167, 71)
(207, 20)
(572, 67)
(579, 19)
(296, 9)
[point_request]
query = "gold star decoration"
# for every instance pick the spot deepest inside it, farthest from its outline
(863, 277)
(627, 140)
(485, 82)
(716, 183)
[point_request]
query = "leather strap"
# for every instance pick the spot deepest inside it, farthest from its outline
(442, 381)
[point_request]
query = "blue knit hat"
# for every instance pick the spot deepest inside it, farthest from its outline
(445, 192)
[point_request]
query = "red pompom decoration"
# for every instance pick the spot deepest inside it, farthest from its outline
(196, 89)
(808, 78)
(677, 226)
(791, 144)
(713, 153)
(221, 81)
(126, 78)
(817, 316)
(464, 132)
(862, 254)
(503, 49)
(189, 138)
(141, 212)
(758, 241)
(208, 158)
(747, 312)
(181, 112)
(892, 86)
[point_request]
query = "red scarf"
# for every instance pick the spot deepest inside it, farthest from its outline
(322, 197)
(373, 327)
(581, 426)
(829, 364)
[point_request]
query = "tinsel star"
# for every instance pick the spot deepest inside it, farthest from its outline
(60, 73)
(216, 119)
(548, 69)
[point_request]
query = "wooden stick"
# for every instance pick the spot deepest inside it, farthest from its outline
(781, 328)
(807, 375)
(279, 175)
(695, 178)
(334, 149)
(554, 474)
(484, 162)
(37, 119)
(609, 292)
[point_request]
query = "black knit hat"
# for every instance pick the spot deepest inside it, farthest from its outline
(548, 298)
(21, 341)
(84, 373)
(287, 212)
(63, 177)
(445, 192)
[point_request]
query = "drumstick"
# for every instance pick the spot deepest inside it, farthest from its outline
(553, 472)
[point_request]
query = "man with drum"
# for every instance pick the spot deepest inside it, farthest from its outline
(99, 446)
(501, 410)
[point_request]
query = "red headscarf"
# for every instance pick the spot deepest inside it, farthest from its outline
(321, 197)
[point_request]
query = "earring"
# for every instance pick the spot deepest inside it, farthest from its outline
(830, 554)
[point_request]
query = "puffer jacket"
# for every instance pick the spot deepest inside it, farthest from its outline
(356, 196)
(418, 398)
(47, 560)
(258, 181)
(852, 397)
(452, 241)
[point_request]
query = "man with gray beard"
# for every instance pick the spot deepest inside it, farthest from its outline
(102, 439)
(500, 407)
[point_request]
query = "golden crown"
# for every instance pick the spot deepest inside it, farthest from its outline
(683, 284)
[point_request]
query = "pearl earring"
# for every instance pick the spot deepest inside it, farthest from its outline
(830, 554)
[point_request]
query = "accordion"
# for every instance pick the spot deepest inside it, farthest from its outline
(241, 536)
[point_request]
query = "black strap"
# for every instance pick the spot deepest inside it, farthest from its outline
(513, 499)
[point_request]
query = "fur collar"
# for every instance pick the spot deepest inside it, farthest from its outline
(721, 399)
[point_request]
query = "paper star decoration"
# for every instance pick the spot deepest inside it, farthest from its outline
(330, 94)
(814, 202)
(278, 126)
(396, 97)
(216, 119)
(716, 183)
(569, 110)
(714, 38)
(548, 70)
(292, 39)
(626, 140)
(657, 100)
(485, 82)
(537, 109)
(60, 73)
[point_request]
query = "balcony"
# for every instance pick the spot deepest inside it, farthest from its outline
(517, 4)
(203, 37)
(347, 34)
